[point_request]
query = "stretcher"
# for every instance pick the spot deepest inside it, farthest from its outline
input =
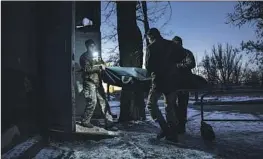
(137, 79)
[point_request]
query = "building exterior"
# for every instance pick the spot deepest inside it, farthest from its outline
(38, 54)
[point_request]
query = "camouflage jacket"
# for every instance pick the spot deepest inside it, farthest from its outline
(90, 68)
(187, 63)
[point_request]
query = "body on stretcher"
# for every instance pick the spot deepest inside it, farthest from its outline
(137, 78)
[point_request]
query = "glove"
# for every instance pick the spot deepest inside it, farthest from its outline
(153, 75)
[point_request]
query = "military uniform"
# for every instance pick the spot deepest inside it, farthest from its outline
(185, 67)
(92, 88)
(153, 108)
(160, 65)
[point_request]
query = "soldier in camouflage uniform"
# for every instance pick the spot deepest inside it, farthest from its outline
(186, 65)
(91, 70)
(160, 59)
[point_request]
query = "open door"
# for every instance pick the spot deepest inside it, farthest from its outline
(87, 26)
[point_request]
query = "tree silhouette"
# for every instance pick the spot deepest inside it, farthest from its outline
(131, 55)
(223, 65)
(250, 12)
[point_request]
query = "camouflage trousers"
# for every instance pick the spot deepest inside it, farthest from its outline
(103, 94)
(170, 109)
(93, 96)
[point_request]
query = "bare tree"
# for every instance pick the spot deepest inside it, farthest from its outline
(223, 65)
(250, 12)
(209, 71)
(124, 34)
(131, 55)
(226, 60)
(246, 71)
(253, 78)
(113, 60)
(145, 19)
(197, 69)
(147, 13)
(261, 75)
(237, 71)
(150, 13)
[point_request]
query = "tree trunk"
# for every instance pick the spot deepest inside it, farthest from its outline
(145, 17)
(131, 55)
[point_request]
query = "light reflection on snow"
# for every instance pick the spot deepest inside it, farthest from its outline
(20, 148)
(233, 140)
(136, 145)
(233, 98)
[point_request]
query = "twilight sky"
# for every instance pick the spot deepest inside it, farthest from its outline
(201, 25)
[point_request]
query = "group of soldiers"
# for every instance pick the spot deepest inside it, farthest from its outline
(167, 62)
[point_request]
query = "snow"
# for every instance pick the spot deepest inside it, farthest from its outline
(233, 98)
(95, 130)
(48, 153)
(233, 139)
(21, 148)
(132, 145)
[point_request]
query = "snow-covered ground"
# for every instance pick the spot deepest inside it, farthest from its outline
(233, 98)
(233, 140)
(20, 148)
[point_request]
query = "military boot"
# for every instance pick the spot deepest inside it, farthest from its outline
(172, 137)
(109, 125)
(160, 135)
(172, 133)
(87, 124)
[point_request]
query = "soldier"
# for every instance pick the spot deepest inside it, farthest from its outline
(160, 59)
(91, 68)
(185, 66)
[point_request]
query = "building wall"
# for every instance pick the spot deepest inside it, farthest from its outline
(35, 41)
(18, 46)
(36, 47)
(55, 56)
(18, 61)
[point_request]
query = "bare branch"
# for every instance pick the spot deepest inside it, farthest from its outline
(114, 50)
(170, 16)
(109, 11)
(250, 12)
(107, 5)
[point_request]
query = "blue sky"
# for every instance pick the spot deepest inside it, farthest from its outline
(202, 25)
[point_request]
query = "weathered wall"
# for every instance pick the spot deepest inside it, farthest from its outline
(36, 43)
(18, 61)
(55, 46)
